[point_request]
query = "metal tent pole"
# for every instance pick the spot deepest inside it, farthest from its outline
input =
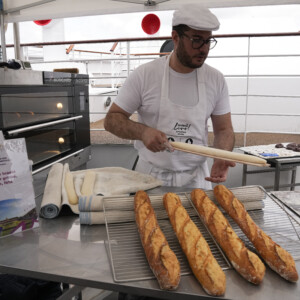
(18, 52)
(3, 42)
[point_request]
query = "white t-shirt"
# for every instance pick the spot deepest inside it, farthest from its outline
(142, 90)
(183, 88)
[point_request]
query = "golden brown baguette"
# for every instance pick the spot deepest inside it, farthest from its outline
(70, 189)
(203, 264)
(243, 260)
(88, 183)
(162, 260)
(275, 256)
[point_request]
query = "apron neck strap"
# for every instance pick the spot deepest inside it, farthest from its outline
(166, 77)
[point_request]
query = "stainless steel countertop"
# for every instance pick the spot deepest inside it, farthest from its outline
(62, 250)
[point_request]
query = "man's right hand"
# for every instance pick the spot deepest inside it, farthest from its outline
(154, 140)
(117, 121)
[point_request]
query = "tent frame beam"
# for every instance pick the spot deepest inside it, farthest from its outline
(30, 5)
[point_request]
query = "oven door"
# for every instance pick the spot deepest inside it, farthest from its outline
(48, 140)
(26, 105)
(53, 119)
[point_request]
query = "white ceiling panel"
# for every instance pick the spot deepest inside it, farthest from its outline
(28, 10)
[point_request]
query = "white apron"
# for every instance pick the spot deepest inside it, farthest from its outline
(181, 124)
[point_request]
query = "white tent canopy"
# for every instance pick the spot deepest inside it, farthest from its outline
(28, 10)
(15, 11)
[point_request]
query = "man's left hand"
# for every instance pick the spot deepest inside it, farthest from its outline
(219, 170)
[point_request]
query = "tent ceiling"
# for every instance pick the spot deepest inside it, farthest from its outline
(23, 10)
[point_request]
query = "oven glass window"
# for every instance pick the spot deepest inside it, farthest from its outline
(25, 108)
(48, 142)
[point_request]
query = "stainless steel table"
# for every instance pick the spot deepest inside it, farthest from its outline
(62, 250)
(277, 165)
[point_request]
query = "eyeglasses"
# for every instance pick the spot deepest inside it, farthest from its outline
(197, 43)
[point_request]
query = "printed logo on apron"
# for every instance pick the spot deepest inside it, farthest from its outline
(181, 129)
(188, 140)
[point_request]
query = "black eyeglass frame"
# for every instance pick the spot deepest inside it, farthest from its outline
(209, 42)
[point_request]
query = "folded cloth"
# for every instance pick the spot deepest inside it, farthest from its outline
(116, 181)
(90, 203)
(95, 203)
(50, 211)
(110, 181)
(91, 207)
(251, 196)
(51, 202)
(98, 217)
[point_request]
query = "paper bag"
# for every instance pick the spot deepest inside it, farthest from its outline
(17, 203)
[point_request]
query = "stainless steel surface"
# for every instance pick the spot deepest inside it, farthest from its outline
(127, 255)
(278, 224)
(43, 125)
(278, 165)
(57, 161)
(20, 77)
(63, 250)
(290, 199)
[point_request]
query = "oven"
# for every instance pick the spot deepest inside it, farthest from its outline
(53, 117)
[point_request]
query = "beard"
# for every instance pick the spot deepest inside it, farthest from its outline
(187, 60)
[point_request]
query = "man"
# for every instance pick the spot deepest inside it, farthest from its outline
(174, 97)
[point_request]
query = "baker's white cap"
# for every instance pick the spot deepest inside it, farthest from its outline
(196, 17)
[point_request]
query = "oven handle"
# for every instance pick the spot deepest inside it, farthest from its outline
(57, 161)
(28, 128)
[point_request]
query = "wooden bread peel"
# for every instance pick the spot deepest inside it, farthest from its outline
(221, 154)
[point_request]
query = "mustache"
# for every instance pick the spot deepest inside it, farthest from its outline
(200, 56)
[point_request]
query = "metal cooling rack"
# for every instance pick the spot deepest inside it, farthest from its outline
(126, 253)
(127, 257)
(273, 218)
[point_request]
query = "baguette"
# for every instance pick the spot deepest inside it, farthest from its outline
(203, 264)
(244, 261)
(70, 189)
(53, 188)
(275, 256)
(162, 260)
(87, 187)
(219, 153)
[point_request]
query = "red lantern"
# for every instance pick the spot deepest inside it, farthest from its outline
(42, 22)
(151, 24)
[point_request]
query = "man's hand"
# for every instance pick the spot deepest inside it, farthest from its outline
(118, 122)
(219, 170)
(154, 140)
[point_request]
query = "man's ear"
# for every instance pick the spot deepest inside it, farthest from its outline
(175, 37)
